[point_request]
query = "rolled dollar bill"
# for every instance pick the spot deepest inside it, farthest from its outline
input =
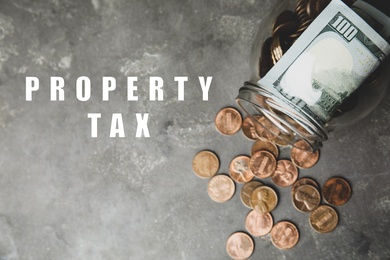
(327, 63)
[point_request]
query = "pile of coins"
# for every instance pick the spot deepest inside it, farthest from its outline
(264, 163)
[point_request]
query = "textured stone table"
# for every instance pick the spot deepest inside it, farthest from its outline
(65, 195)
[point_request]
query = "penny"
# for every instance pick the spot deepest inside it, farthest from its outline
(336, 191)
(262, 164)
(228, 121)
(264, 199)
(266, 129)
(303, 181)
(301, 155)
(265, 63)
(258, 224)
(246, 192)
(221, 188)
(306, 198)
(239, 246)
(283, 18)
(248, 128)
(286, 173)
(283, 139)
(284, 235)
(205, 164)
(239, 169)
(324, 219)
(265, 145)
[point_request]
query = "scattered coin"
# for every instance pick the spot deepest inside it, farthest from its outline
(221, 188)
(336, 191)
(303, 181)
(205, 164)
(264, 199)
(248, 128)
(246, 192)
(302, 157)
(262, 164)
(240, 246)
(228, 121)
(284, 235)
(265, 145)
(306, 198)
(258, 224)
(239, 169)
(324, 219)
(286, 173)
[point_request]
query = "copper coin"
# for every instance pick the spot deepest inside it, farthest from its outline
(301, 155)
(283, 139)
(306, 198)
(205, 164)
(258, 224)
(264, 199)
(303, 181)
(262, 164)
(239, 246)
(221, 188)
(266, 129)
(336, 191)
(265, 145)
(284, 235)
(239, 169)
(286, 173)
(248, 128)
(246, 192)
(228, 121)
(265, 59)
(324, 219)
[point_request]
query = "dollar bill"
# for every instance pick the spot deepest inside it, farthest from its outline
(327, 63)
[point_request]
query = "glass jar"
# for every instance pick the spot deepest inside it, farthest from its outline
(277, 96)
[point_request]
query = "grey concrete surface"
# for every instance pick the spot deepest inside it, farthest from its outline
(65, 195)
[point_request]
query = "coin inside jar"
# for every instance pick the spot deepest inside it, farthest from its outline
(240, 246)
(221, 188)
(264, 199)
(246, 192)
(302, 157)
(258, 224)
(324, 219)
(336, 191)
(228, 121)
(260, 145)
(306, 198)
(248, 128)
(262, 164)
(239, 169)
(286, 173)
(205, 164)
(284, 235)
(266, 129)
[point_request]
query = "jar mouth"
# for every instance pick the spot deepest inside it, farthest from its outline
(285, 123)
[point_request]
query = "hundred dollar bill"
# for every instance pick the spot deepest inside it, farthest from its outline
(327, 63)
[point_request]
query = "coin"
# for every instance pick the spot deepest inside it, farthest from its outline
(302, 157)
(306, 198)
(324, 219)
(266, 129)
(303, 181)
(265, 63)
(239, 246)
(248, 128)
(262, 164)
(286, 173)
(284, 235)
(265, 145)
(228, 121)
(336, 191)
(246, 192)
(205, 164)
(258, 224)
(221, 188)
(264, 199)
(239, 169)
